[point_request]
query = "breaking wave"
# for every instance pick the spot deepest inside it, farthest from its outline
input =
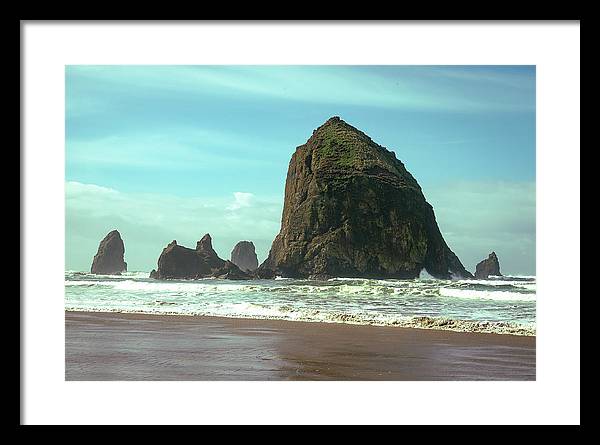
(501, 295)
(250, 311)
(505, 305)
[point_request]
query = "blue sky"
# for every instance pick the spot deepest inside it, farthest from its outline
(173, 152)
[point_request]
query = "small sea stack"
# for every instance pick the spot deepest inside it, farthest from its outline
(179, 262)
(109, 260)
(487, 267)
(243, 256)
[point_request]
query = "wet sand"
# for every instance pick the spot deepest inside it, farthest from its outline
(113, 346)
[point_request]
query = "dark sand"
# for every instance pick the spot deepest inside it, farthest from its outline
(112, 346)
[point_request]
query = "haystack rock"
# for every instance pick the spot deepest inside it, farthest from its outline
(178, 262)
(109, 258)
(352, 209)
(487, 267)
(243, 255)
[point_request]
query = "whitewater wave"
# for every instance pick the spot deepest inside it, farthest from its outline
(263, 312)
(486, 295)
(504, 305)
(472, 326)
(133, 274)
(350, 287)
(496, 283)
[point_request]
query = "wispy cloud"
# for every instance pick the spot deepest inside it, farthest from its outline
(520, 77)
(398, 88)
(242, 199)
(172, 148)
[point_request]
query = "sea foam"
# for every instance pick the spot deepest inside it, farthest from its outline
(486, 295)
(504, 305)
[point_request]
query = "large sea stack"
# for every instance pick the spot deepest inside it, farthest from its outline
(109, 258)
(178, 262)
(243, 255)
(487, 267)
(352, 209)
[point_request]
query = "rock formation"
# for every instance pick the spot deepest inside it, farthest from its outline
(230, 271)
(487, 267)
(178, 262)
(109, 258)
(243, 256)
(352, 209)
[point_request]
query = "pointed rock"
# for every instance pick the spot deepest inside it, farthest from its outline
(205, 244)
(207, 254)
(243, 255)
(351, 209)
(487, 267)
(109, 258)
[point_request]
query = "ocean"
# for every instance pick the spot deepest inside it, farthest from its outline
(505, 305)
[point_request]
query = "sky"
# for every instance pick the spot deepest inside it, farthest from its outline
(173, 152)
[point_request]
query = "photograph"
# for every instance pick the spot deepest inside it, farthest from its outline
(282, 222)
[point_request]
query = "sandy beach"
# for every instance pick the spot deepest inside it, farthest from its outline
(115, 346)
